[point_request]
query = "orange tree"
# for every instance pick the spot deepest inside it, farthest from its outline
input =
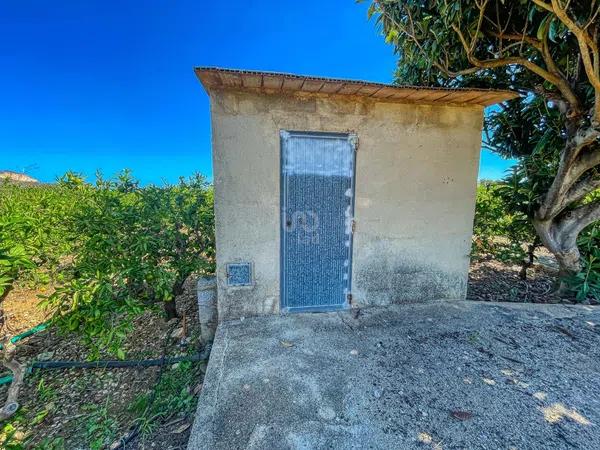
(33, 236)
(34, 241)
(135, 248)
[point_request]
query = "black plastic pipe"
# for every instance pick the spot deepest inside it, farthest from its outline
(112, 363)
(115, 364)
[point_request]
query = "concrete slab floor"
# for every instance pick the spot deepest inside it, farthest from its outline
(441, 375)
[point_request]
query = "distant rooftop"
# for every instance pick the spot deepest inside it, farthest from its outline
(16, 176)
(274, 82)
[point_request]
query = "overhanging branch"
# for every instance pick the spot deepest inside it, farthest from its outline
(536, 43)
(440, 65)
(580, 189)
(572, 165)
(577, 219)
(558, 81)
(587, 44)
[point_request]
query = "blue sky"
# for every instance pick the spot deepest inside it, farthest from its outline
(109, 85)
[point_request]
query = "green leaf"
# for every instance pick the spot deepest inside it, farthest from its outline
(543, 27)
(553, 31)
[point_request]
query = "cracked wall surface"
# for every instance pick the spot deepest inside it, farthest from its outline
(416, 171)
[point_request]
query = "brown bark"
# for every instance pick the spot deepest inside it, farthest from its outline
(576, 176)
(178, 286)
(563, 246)
(170, 308)
(529, 261)
(11, 405)
(559, 235)
(6, 292)
(557, 223)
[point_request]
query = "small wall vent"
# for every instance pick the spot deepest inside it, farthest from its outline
(239, 274)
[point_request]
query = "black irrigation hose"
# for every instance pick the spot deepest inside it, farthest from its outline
(135, 431)
(118, 364)
(202, 356)
(112, 364)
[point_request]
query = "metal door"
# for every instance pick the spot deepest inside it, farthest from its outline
(317, 205)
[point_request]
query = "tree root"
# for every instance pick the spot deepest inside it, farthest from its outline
(11, 405)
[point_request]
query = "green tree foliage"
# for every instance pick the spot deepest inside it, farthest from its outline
(501, 231)
(137, 246)
(547, 50)
(112, 248)
(13, 259)
(587, 282)
(33, 232)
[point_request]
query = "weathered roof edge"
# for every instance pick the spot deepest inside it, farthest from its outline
(273, 82)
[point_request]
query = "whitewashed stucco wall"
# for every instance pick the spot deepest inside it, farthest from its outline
(416, 170)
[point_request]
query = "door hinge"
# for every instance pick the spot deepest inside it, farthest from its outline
(353, 139)
(353, 225)
(349, 297)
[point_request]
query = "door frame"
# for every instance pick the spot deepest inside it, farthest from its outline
(352, 138)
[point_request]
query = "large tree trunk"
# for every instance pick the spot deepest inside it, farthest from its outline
(560, 217)
(563, 245)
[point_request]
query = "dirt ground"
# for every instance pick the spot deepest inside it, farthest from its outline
(21, 308)
(491, 280)
(96, 408)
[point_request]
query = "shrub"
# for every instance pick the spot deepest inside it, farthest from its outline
(136, 246)
(501, 229)
(34, 235)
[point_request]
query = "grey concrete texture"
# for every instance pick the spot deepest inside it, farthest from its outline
(439, 375)
(207, 308)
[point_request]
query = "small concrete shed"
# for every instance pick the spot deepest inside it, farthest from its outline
(333, 193)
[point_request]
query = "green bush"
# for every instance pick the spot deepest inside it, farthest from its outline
(112, 248)
(136, 247)
(490, 218)
(500, 229)
(587, 282)
(34, 235)
(13, 259)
